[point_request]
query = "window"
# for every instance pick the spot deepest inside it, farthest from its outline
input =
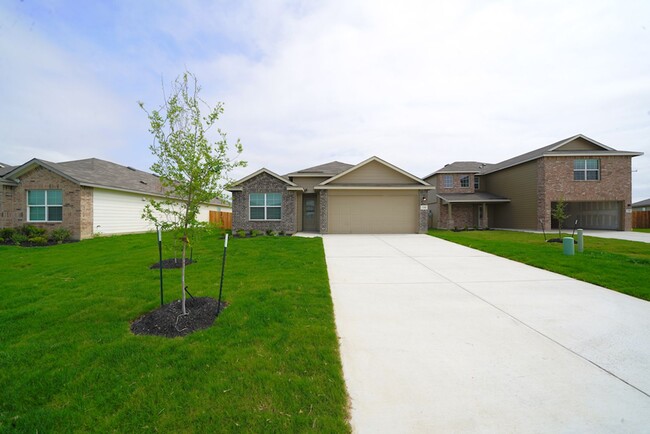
(586, 169)
(265, 206)
(464, 181)
(45, 205)
(448, 181)
(477, 182)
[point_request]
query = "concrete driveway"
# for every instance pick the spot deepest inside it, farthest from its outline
(437, 337)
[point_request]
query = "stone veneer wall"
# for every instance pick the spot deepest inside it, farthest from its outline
(424, 214)
(323, 211)
(264, 183)
(77, 217)
(556, 182)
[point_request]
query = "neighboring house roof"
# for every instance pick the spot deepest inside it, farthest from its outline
(550, 150)
(546, 150)
(641, 203)
(460, 167)
(421, 183)
(472, 198)
(328, 169)
(290, 185)
(93, 172)
(5, 168)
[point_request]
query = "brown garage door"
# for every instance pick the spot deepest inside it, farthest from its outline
(372, 212)
(595, 215)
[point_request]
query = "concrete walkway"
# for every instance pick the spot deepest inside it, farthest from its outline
(437, 337)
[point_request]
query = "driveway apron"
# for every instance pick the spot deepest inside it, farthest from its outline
(437, 337)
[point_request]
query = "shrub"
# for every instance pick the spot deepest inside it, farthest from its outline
(31, 231)
(7, 233)
(60, 235)
(39, 241)
(255, 233)
(271, 233)
(19, 238)
(241, 233)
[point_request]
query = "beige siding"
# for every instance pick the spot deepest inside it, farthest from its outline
(579, 144)
(519, 184)
(374, 173)
(373, 211)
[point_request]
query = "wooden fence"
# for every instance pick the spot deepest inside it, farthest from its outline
(221, 219)
(641, 219)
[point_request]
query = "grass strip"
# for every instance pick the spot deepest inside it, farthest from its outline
(623, 266)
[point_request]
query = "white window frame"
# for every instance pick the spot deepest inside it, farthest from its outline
(448, 181)
(44, 205)
(583, 173)
(464, 180)
(265, 207)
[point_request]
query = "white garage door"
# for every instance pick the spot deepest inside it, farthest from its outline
(372, 212)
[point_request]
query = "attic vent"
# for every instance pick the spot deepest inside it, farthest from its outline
(142, 182)
(130, 168)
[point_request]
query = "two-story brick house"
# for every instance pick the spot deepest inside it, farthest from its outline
(593, 179)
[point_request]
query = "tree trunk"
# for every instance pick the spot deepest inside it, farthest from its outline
(183, 273)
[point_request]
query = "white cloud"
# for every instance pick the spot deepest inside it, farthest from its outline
(419, 83)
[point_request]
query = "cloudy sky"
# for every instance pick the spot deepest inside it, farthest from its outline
(417, 83)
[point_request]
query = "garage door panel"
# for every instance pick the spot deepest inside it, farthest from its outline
(596, 215)
(373, 212)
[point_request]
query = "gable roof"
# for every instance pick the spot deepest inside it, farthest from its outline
(641, 203)
(93, 172)
(554, 147)
(328, 169)
(460, 167)
(291, 185)
(424, 184)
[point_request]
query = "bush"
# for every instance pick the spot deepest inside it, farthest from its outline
(60, 235)
(271, 233)
(39, 241)
(19, 238)
(241, 233)
(31, 231)
(7, 233)
(255, 233)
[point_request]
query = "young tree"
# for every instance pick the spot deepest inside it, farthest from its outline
(559, 214)
(192, 167)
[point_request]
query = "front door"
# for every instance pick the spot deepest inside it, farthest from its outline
(310, 215)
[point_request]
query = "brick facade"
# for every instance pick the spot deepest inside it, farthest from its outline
(440, 183)
(424, 213)
(264, 183)
(77, 203)
(555, 182)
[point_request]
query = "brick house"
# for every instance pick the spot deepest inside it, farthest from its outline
(519, 193)
(371, 197)
(87, 197)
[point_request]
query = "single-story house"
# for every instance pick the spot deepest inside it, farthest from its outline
(594, 180)
(88, 197)
(642, 205)
(373, 196)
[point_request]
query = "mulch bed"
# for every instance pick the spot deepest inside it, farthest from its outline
(171, 263)
(168, 320)
(559, 240)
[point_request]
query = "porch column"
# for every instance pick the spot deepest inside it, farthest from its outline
(450, 218)
(485, 221)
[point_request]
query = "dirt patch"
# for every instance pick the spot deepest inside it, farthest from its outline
(559, 240)
(168, 320)
(171, 263)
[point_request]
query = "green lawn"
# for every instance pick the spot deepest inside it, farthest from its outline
(623, 266)
(69, 363)
(641, 230)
